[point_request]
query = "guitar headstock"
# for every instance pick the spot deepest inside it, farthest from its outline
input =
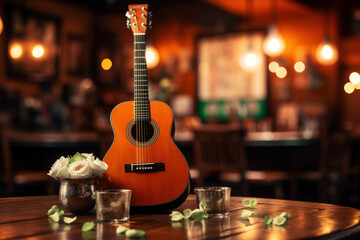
(139, 18)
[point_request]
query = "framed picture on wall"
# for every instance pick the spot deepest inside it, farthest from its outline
(226, 88)
(32, 45)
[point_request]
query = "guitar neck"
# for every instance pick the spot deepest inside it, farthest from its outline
(141, 91)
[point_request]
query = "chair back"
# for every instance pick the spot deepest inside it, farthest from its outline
(219, 148)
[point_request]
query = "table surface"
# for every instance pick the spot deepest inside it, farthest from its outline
(26, 217)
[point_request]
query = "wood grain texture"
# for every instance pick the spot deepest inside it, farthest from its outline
(26, 217)
(148, 188)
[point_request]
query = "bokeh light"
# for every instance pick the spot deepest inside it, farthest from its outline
(299, 67)
(38, 51)
(349, 87)
(273, 66)
(16, 51)
(281, 72)
(106, 64)
(354, 78)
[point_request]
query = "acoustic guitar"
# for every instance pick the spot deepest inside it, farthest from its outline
(143, 156)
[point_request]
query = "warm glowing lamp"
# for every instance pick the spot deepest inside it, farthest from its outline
(249, 61)
(38, 51)
(152, 57)
(1, 26)
(273, 67)
(16, 51)
(299, 66)
(274, 43)
(354, 78)
(106, 64)
(349, 87)
(281, 72)
(327, 53)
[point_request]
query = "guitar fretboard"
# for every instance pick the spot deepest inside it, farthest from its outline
(141, 92)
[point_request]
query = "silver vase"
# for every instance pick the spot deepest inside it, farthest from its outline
(78, 195)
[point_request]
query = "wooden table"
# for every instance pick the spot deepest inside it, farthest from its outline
(26, 217)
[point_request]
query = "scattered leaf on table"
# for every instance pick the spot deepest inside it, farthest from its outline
(253, 202)
(268, 220)
(87, 226)
(245, 214)
(245, 203)
(55, 217)
(187, 213)
(54, 209)
(279, 220)
(69, 220)
(176, 216)
(285, 214)
(134, 233)
(199, 214)
(121, 229)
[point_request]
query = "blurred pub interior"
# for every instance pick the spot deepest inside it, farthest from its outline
(284, 71)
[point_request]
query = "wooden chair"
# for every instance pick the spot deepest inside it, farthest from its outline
(43, 142)
(220, 149)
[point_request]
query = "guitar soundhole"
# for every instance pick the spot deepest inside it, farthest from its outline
(142, 131)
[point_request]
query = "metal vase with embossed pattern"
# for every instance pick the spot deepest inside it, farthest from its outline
(78, 195)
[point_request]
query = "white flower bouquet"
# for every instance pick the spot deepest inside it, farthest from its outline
(78, 166)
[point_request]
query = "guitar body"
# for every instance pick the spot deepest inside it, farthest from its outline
(153, 168)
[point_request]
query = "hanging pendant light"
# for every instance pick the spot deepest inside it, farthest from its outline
(273, 44)
(327, 53)
(250, 60)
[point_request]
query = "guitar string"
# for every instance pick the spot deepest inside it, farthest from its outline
(142, 108)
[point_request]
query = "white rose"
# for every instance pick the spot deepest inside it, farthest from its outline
(89, 156)
(59, 169)
(80, 169)
(98, 167)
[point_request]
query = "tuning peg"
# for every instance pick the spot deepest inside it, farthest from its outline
(128, 23)
(127, 14)
(150, 14)
(149, 24)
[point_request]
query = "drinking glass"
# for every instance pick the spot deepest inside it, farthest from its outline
(113, 205)
(214, 200)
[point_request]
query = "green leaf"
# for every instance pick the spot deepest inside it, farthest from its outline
(246, 203)
(268, 220)
(253, 202)
(279, 220)
(121, 229)
(55, 217)
(54, 209)
(87, 226)
(187, 213)
(285, 214)
(176, 216)
(68, 220)
(198, 214)
(249, 203)
(134, 233)
(75, 158)
(245, 214)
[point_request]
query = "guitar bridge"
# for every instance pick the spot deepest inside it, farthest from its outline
(144, 167)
